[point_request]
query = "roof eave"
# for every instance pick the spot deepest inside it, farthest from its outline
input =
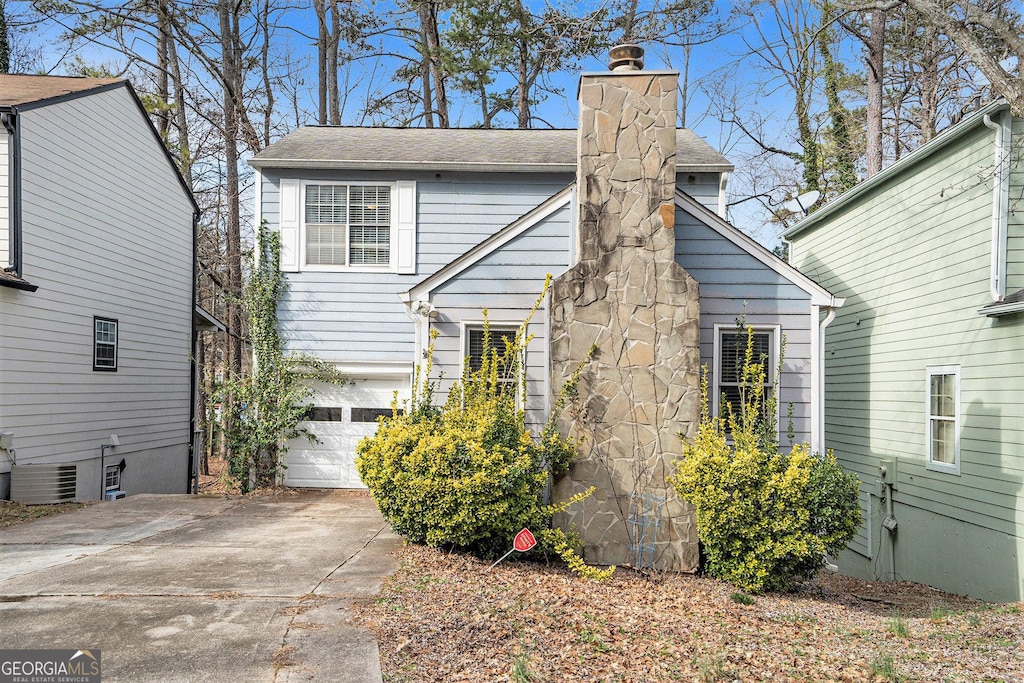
(917, 156)
(384, 165)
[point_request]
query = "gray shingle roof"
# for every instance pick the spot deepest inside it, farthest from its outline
(20, 89)
(451, 149)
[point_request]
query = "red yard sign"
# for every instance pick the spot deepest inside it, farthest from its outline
(524, 541)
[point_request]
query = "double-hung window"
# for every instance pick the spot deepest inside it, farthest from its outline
(942, 402)
(104, 350)
(730, 353)
(348, 225)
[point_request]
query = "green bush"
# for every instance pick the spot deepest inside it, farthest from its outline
(764, 517)
(469, 474)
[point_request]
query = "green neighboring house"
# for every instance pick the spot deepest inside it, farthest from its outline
(924, 365)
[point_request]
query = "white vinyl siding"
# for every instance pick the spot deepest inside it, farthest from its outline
(943, 416)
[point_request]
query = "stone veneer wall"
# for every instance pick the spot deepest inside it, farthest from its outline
(627, 297)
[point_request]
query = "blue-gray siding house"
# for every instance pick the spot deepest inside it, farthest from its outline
(389, 233)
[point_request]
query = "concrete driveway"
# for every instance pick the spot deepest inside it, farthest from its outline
(208, 588)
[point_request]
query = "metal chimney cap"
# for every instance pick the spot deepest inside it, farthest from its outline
(627, 57)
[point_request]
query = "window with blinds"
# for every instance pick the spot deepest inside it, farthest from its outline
(497, 339)
(732, 350)
(348, 225)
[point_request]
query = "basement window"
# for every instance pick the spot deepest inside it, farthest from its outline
(112, 478)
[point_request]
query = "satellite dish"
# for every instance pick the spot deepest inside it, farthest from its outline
(800, 204)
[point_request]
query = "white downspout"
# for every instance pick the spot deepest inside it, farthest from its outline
(818, 374)
(1000, 202)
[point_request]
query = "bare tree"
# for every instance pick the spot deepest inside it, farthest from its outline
(987, 32)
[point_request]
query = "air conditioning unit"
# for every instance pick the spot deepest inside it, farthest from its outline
(115, 495)
(43, 484)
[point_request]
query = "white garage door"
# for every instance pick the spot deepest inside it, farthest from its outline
(340, 418)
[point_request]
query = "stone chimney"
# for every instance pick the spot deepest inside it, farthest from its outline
(628, 298)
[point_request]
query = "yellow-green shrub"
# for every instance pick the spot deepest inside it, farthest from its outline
(763, 517)
(469, 473)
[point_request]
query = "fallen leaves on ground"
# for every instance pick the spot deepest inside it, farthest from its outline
(443, 617)
(14, 513)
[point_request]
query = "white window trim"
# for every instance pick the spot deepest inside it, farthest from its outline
(935, 465)
(96, 344)
(393, 255)
(716, 372)
(494, 326)
(116, 485)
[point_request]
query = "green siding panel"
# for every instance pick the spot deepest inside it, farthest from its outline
(912, 257)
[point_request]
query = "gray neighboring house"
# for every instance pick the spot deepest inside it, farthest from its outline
(97, 321)
(390, 233)
(925, 363)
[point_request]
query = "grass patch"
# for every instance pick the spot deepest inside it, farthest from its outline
(897, 626)
(713, 670)
(521, 672)
(742, 599)
(883, 667)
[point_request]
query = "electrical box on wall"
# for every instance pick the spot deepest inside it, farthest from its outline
(7, 440)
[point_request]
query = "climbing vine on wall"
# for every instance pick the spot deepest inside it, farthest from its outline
(270, 403)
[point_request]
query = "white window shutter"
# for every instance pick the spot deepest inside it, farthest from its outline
(405, 257)
(289, 226)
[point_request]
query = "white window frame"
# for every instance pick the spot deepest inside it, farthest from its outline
(775, 343)
(112, 478)
(494, 327)
(390, 267)
(96, 343)
(930, 462)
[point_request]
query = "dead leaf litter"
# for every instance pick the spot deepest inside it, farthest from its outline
(443, 617)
